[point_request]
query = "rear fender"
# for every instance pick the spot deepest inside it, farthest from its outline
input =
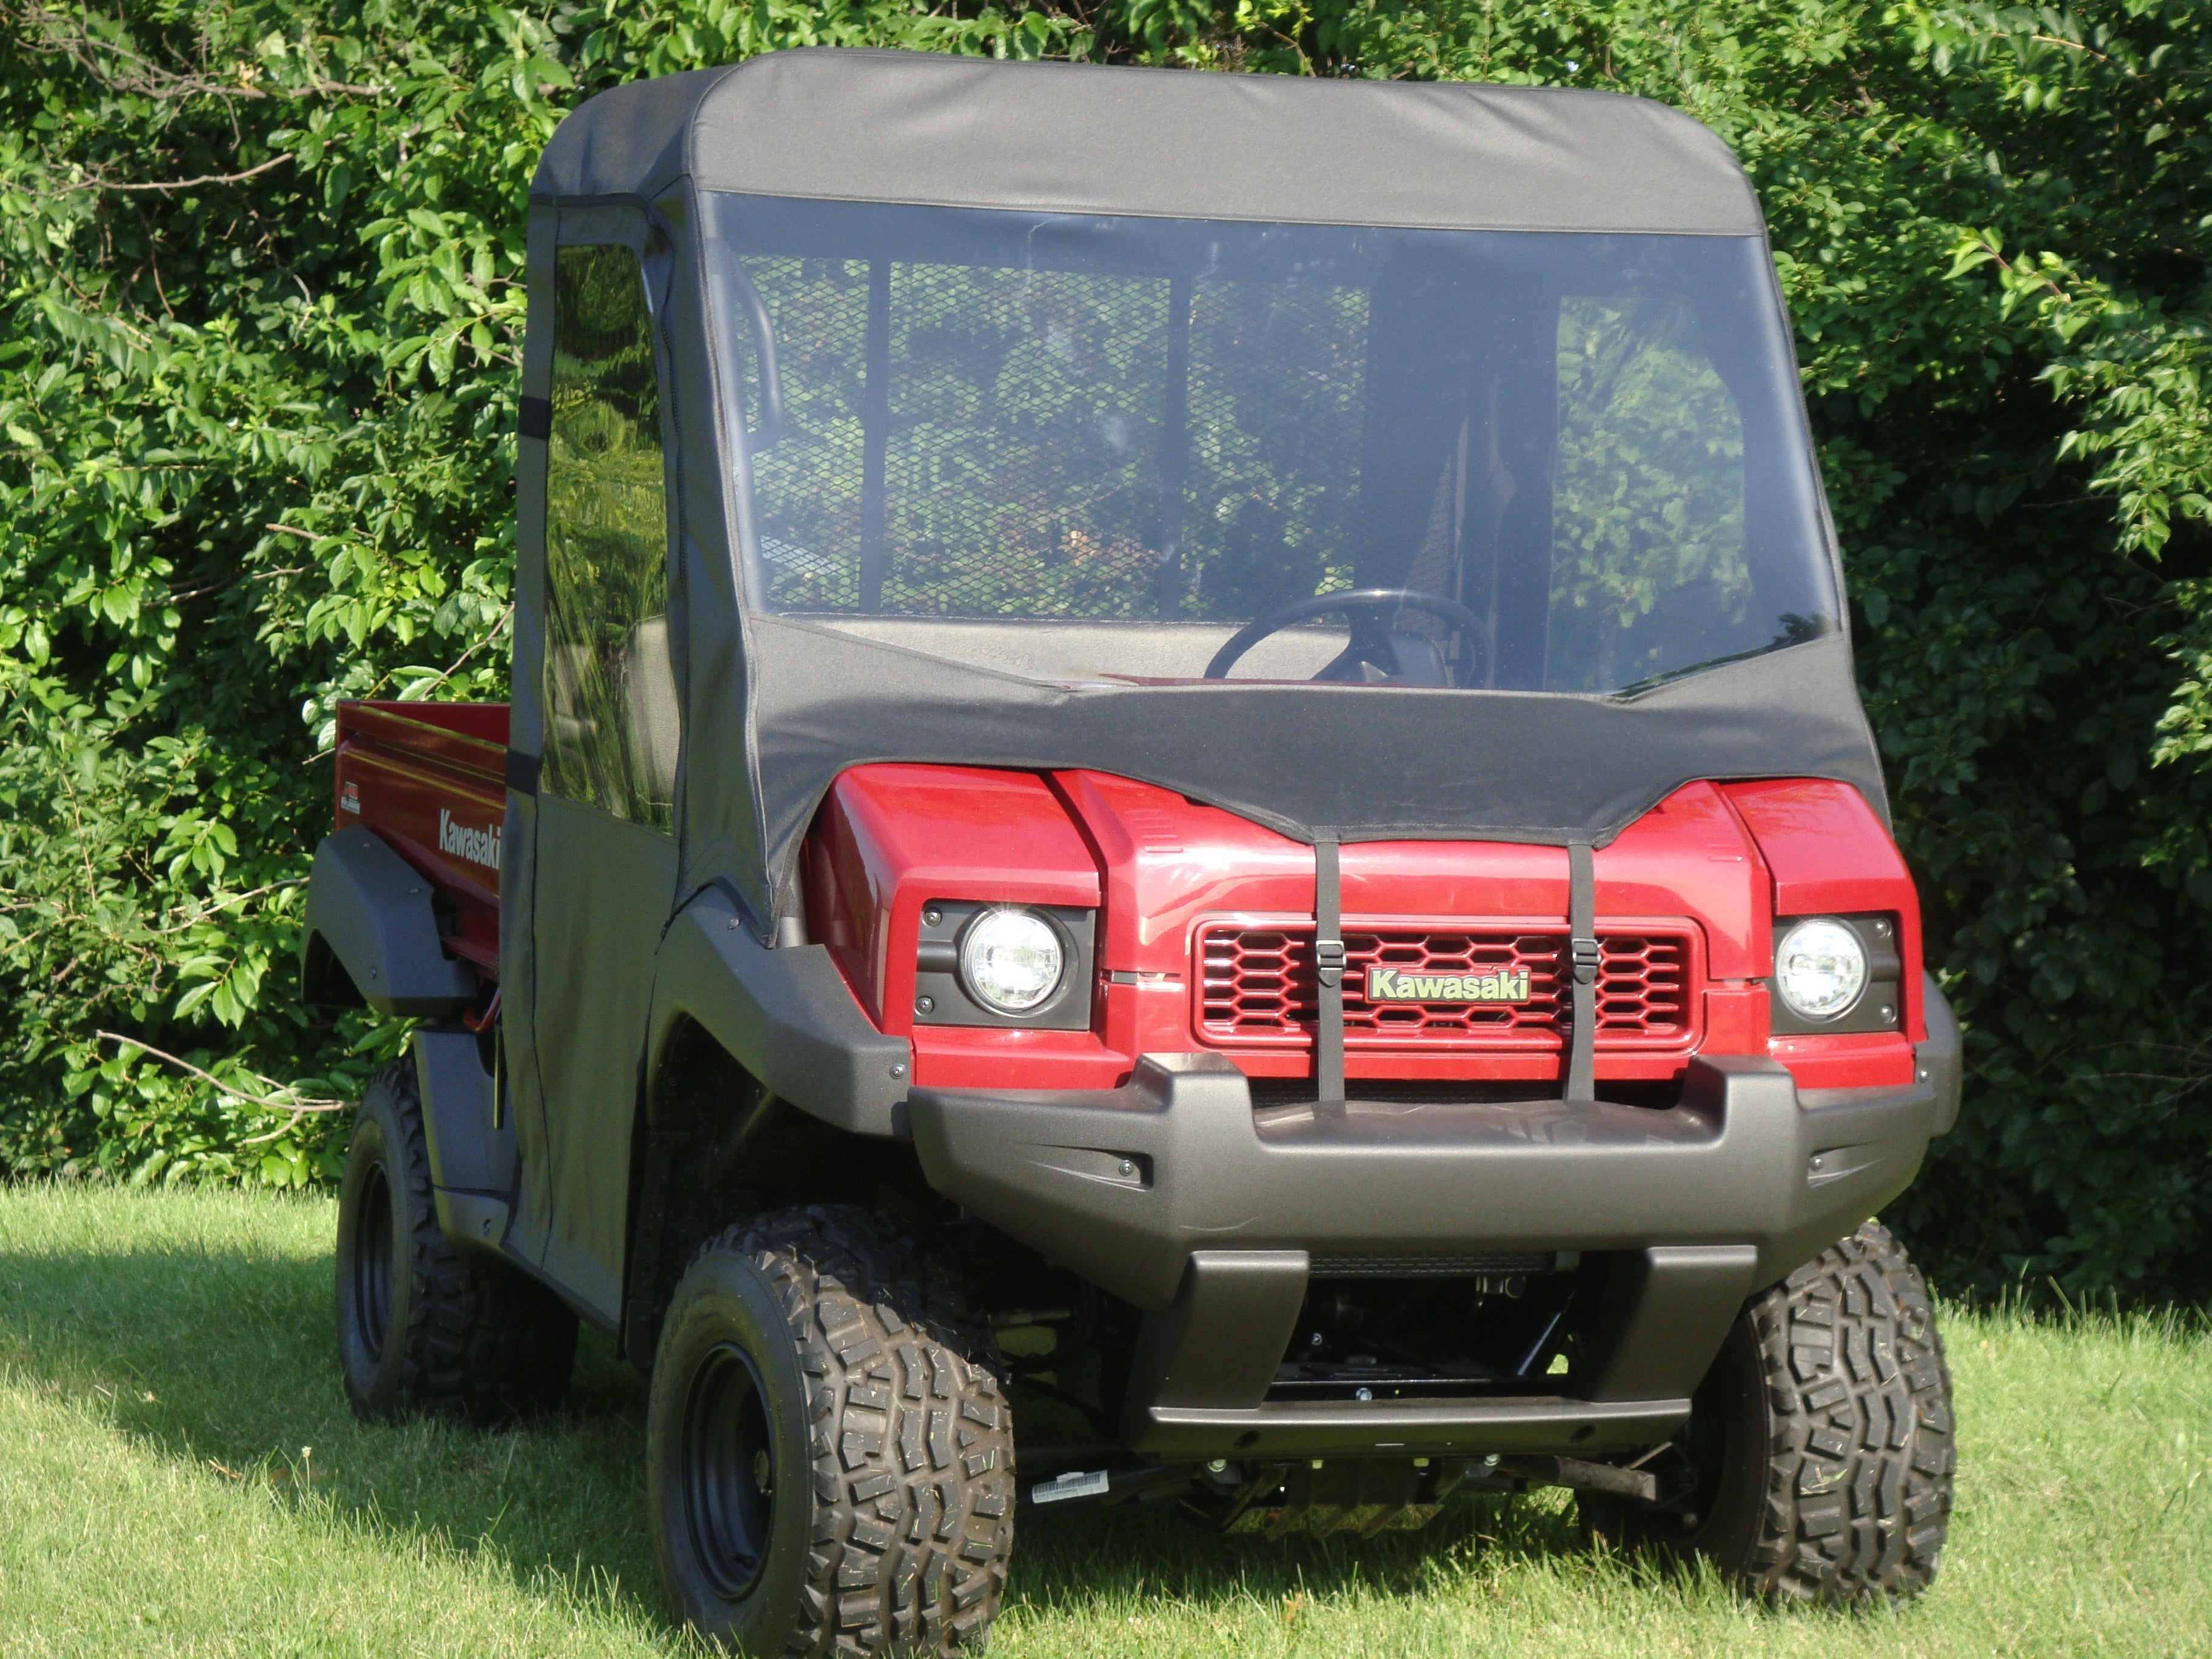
(370, 930)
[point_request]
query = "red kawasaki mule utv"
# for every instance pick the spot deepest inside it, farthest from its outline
(1184, 819)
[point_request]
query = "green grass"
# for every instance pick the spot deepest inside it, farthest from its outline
(178, 1474)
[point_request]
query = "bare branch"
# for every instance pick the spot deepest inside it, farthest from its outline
(418, 691)
(119, 68)
(284, 1128)
(296, 1106)
(236, 898)
(98, 183)
(115, 66)
(179, 596)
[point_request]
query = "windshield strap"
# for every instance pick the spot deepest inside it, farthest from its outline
(1328, 960)
(1583, 958)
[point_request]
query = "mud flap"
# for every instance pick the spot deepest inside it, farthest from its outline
(471, 1138)
(1667, 1311)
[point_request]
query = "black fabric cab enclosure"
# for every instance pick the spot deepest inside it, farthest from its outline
(1371, 460)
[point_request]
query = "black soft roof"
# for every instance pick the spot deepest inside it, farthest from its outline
(898, 126)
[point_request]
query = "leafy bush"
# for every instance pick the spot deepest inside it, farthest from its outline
(260, 302)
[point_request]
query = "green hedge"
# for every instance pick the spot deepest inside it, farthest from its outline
(260, 302)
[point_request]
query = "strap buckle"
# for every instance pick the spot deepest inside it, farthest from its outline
(1587, 956)
(1328, 959)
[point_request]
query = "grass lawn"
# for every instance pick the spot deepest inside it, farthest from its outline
(178, 1474)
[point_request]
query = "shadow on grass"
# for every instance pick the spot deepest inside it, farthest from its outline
(222, 1358)
(1080, 1561)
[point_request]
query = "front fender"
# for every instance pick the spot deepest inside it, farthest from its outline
(1942, 1058)
(785, 1015)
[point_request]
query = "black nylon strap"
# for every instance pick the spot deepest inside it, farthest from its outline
(1328, 959)
(1582, 957)
(534, 419)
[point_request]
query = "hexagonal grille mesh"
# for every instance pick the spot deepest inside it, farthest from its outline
(1256, 985)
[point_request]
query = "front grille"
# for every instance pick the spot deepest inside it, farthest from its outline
(1256, 987)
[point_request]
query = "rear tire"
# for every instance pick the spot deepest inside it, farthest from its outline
(1817, 1463)
(422, 1327)
(830, 1464)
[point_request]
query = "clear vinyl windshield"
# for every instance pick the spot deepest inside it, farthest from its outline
(1087, 448)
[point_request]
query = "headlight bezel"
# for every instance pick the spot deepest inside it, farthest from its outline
(1878, 1007)
(942, 996)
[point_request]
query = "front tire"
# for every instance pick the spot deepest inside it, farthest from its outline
(422, 1327)
(830, 1467)
(1817, 1462)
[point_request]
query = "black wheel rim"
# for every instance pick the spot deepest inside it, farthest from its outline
(372, 1261)
(729, 1471)
(1692, 1469)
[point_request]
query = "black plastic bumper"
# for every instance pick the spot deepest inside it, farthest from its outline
(1122, 1185)
(1174, 1193)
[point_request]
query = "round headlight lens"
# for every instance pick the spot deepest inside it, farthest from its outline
(1012, 961)
(1820, 969)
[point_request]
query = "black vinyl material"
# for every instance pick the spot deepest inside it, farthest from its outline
(1378, 763)
(894, 126)
(1329, 958)
(1587, 959)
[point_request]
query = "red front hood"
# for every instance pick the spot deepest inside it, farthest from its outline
(1203, 917)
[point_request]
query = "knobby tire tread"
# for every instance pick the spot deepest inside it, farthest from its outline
(1861, 1456)
(912, 1443)
(483, 1340)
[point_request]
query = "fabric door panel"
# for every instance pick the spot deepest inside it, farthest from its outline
(605, 889)
(531, 1224)
(606, 862)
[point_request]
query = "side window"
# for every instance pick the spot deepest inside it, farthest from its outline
(610, 692)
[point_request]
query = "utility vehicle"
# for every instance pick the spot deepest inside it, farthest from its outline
(1184, 821)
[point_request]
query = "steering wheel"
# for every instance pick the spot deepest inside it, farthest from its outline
(1401, 656)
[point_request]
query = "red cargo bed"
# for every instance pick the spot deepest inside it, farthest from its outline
(430, 779)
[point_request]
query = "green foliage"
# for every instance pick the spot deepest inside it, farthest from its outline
(260, 293)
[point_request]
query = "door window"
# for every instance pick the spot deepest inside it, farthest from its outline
(612, 726)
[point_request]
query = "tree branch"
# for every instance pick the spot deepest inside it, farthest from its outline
(423, 688)
(99, 183)
(216, 908)
(295, 1106)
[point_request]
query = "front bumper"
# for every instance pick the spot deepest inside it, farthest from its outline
(1174, 1193)
(1122, 1185)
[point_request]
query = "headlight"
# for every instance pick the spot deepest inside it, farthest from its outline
(1012, 961)
(1820, 969)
